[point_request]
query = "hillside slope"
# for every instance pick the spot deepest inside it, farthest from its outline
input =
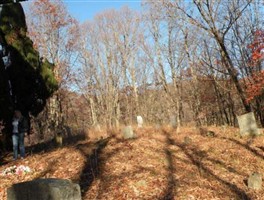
(158, 164)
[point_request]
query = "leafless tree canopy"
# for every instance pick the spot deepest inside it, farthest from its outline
(175, 61)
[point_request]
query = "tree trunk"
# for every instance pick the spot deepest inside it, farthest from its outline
(232, 72)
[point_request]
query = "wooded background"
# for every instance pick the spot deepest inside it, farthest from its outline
(180, 62)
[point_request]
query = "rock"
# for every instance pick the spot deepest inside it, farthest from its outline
(247, 124)
(206, 133)
(44, 189)
(255, 181)
(210, 134)
(187, 140)
(128, 132)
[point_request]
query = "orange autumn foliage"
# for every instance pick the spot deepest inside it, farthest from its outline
(255, 85)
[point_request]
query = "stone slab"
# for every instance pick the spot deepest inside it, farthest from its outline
(44, 189)
(247, 124)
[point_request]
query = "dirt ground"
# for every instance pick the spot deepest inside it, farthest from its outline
(157, 164)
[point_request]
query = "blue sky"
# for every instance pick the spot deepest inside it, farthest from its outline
(86, 9)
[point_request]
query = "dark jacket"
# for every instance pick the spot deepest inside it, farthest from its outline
(23, 125)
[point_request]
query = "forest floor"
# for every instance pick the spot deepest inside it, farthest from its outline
(158, 164)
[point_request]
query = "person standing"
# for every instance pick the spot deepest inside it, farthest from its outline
(20, 129)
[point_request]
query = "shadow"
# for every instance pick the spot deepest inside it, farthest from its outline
(49, 170)
(245, 181)
(196, 157)
(261, 147)
(170, 189)
(169, 193)
(52, 145)
(2, 158)
(217, 162)
(246, 146)
(5, 158)
(107, 182)
(91, 170)
(228, 168)
(44, 147)
(117, 179)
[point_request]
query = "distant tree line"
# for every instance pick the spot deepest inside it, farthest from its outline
(197, 62)
(190, 62)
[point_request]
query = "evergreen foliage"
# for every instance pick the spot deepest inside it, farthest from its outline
(27, 82)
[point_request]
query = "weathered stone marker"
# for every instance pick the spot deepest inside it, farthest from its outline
(128, 132)
(44, 189)
(173, 121)
(247, 124)
(140, 121)
(255, 181)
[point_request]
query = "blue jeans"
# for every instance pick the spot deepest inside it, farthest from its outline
(18, 141)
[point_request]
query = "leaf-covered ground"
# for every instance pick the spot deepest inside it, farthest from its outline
(158, 164)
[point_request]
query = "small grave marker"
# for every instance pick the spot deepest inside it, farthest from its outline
(128, 132)
(140, 121)
(247, 124)
(255, 181)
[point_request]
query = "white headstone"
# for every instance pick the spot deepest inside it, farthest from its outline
(247, 124)
(139, 121)
(128, 132)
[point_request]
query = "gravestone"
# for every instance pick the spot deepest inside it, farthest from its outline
(140, 121)
(128, 132)
(44, 189)
(173, 121)
(247, 124)
(255, 181)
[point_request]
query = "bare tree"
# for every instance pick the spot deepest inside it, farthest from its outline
(54, 33)
(217, 18)
(109, 58)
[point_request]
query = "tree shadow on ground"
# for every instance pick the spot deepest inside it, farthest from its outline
(106, 182)
(172, 182)
(3, 157)
(44, 147)
(49, 170)
(246, 146)
(261, 147)
(91, 170)
(196, 156)
(51, 145)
